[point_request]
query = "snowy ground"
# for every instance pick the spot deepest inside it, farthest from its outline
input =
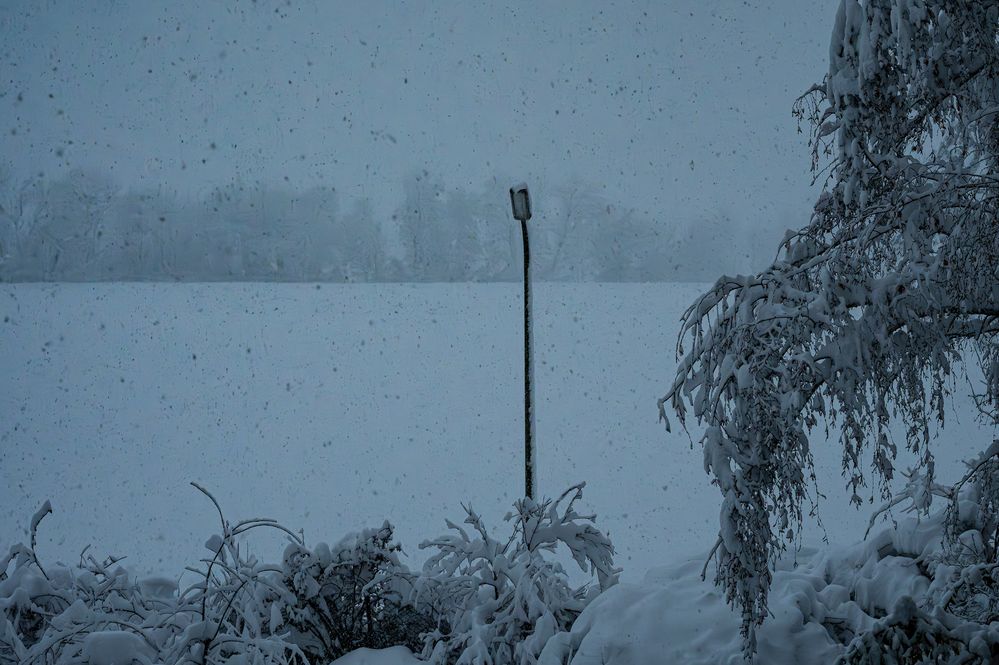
(331, 408)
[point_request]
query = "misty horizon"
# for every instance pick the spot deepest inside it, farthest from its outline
(675, 116)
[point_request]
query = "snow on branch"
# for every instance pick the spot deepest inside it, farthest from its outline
(868, 311)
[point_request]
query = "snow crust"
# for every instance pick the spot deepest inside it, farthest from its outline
(390, 656)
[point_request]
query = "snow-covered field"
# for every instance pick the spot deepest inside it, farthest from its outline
(331, 408)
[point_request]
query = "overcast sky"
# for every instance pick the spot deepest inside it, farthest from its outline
(674, 108)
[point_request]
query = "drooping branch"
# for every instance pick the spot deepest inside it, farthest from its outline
(870, 307)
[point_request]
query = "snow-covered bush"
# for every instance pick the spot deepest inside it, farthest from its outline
(227, 609)
(498, 602)
(910, 635)
(869, 310)
(317, 605)
(895, 597)
(477, 600)
(349, 596)
(968, 575)
(57, 614)
(952, 620)
(97, 613)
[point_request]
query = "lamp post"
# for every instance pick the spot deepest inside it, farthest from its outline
(520, 201)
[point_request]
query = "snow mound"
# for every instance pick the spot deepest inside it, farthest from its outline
(390, 656)
(115, 647)
(818, 604)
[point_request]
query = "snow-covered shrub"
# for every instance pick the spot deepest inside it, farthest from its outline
(974, 507)
(966, 578)
(55, 614)
(477, 600)
(97, 613)
(911, 636)
(969, 574)
(349, 596)
(500, 601)
(226, 611)
(952, 620)
(49, 612)
(29, 597)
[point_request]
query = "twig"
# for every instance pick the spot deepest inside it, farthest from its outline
(36, 519)
(217, 506)
(711, 554)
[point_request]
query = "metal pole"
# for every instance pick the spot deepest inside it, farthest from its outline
(520, 201)
(530, 477)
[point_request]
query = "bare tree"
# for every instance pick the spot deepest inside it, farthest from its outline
(21, 208)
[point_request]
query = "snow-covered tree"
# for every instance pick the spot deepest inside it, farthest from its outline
(868, 311)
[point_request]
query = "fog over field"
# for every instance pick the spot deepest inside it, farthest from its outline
(267, 140)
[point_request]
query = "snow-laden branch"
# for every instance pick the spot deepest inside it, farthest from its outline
(869, 310)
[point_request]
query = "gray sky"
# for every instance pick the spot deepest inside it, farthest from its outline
(675, 108)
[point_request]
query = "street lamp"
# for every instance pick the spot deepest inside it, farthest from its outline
(520, 201)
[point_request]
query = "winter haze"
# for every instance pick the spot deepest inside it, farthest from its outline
(264, 324)
(671, 121)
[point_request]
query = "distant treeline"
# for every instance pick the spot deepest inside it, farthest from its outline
(84, 228)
